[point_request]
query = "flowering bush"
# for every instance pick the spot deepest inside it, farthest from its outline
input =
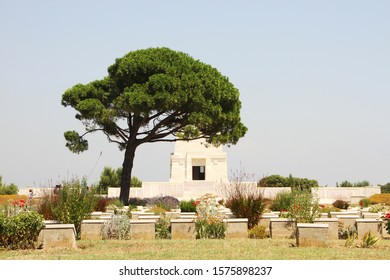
(166, 202)
(209, 223)
(303, 208)
(19, 227)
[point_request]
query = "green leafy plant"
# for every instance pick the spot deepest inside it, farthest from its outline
(243, 199)
(369, 240)
(282, 201)
(277, 181)
(187, 206)
(117, 228)
(365, 202)
(259, 232)
(7, 189)
(163, 228)
(304, 208)
(20, 231)
(209, 223)
(75, 203)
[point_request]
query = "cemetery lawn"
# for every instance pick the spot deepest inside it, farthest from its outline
(233, 249)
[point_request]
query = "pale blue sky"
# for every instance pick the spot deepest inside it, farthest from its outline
(314, 78)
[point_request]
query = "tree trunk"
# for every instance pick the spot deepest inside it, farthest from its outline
(127, 166)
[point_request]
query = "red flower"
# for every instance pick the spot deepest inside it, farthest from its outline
(387, 216)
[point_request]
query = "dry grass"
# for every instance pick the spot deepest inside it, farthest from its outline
(240, 249)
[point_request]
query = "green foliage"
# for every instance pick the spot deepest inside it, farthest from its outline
(136, 201)
(369, 240)
(243, 199)
(117, 228)
(365, 202)
(259, 232)
(153, 95)
(277, 181)
(282, 201)
(163, 228)
(210, 229)
(209, 224)
(7, 189)
(347, 184)
(385, 188)
(20, 231)
(341, 204)
(376, 208)
(187, 206)
(303, 208)
(75, 203)
(111, 178)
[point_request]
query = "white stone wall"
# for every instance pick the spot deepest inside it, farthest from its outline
(195, 153)
(196, 189)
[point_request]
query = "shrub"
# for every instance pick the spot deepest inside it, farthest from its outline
(117, 228)
(46, 205)
(259, 232)
(165, 202)
(75, 203)
(135, 201)
(163, 228)
(273, 181)
(386, 220)
(210, 229)
(303, 208)
(20, 231)
(156, 210)
(244, 199)
(7, 189)
(365, 202)
(282, 201)
(209, 223)
(277, 181)
(187, 206)
(328, 209)
(101, 204)
(341, 204)
(385, 188)
(380, 198)
(376, 208)
(347, 184)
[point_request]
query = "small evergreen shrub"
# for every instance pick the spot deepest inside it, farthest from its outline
(187, 206)
(259, 232)
(117, 228)
(341, 204)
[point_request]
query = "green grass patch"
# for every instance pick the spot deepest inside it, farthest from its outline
(225, 249)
